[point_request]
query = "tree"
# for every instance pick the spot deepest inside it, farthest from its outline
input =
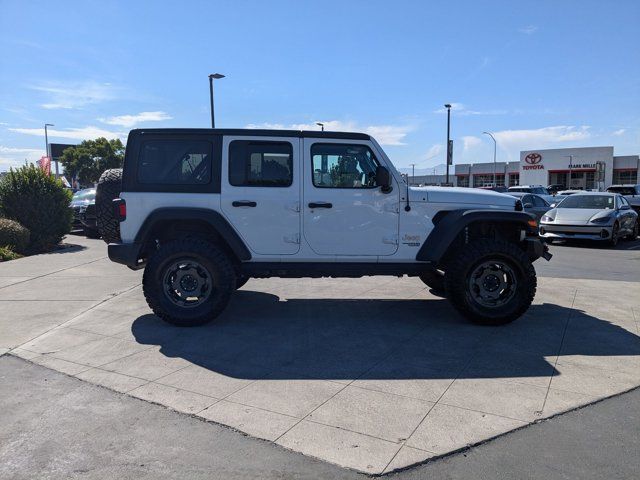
(87, 161)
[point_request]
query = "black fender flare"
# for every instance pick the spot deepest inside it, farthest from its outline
(452, 223)
(211, 217)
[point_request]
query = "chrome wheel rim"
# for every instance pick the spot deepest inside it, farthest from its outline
(187, 283)
(493, 284)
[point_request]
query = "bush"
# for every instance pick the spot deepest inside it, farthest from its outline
(39, 202)
(13, 235)
(7, 254)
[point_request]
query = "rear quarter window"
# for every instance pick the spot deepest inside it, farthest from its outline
(175, 162)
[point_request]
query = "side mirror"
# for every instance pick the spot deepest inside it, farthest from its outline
(553, 205)
(383, 179)
(528, 205)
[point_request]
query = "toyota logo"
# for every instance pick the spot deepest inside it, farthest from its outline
(533, 158)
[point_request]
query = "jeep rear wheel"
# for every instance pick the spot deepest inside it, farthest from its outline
(109, 187)
(188, 282)
(491, 282)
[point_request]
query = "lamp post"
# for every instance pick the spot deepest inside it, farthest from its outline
(46, 141)
(448, 107)
(216, 76)
(494, 157)
(321, 125)
(413, 172)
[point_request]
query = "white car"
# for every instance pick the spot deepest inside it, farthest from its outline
(204, 210)
(591, 216)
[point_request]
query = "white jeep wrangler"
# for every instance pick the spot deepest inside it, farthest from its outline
(204, 210)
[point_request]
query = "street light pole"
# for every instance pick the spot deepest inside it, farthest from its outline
(448, 107)
(321, 125)
(213, 76)
(413, 172)
(494, 157)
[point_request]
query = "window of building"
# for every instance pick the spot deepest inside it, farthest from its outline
(174, 162)
(343, 166)
(486, 180)
(514, 179)
(260, 164)
(462, 180)
(590, 180)
(625, 177)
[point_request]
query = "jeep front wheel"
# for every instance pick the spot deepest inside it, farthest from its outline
(491, 282)
(188, 282)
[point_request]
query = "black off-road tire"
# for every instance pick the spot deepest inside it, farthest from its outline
(90, 232)
(461, 267)
(212, 258)
(435, 281)
(109, 187)
(240, 281)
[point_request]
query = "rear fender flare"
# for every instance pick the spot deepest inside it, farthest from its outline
(211, 217)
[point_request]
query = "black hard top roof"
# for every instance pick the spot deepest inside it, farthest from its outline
(250, 132)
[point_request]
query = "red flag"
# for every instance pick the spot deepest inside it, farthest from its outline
(45, 164)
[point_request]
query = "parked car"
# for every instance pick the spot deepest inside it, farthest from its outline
(555, 188)
(496, 188)
(630, 192)
(532, 203)
(83, 204)
(566, 193)
(204, 210)
(592, 216)
(537, 189)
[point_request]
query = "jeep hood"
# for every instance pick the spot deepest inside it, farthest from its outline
(461, 195)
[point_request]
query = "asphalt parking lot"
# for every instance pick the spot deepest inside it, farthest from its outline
(374, 374)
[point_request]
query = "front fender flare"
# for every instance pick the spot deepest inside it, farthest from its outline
(448, 228)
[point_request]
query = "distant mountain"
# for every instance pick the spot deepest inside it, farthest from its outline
(440, 169)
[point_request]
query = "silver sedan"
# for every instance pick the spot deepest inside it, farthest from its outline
(592, 216)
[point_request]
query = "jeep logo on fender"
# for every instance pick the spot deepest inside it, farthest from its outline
(533, 160)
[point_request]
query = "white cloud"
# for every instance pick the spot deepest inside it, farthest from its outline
(619, 133)
(84, 133)
(513, 141)
(72, 95)
(461, 110)
(469, 142)
(384, 134)
(528, 30)
(15, 156)
(129, 121)
(434, 151)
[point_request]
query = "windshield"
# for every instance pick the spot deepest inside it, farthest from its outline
(622, 190)
(540, 191)
(603, 202)
(84, 195)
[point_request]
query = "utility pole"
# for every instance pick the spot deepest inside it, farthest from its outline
(213, 76)
(449, 152)
(413, 172)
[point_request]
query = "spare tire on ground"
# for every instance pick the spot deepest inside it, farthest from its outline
(109, 187)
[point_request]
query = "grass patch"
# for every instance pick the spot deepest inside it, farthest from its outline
(7, 254)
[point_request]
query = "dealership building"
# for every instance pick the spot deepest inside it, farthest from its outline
(587, 168)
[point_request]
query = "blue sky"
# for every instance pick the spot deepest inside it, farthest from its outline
(538, 74)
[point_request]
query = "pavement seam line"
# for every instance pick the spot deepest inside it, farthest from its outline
(555, 363)
(52, 273)
(81, 313)
(391, 351)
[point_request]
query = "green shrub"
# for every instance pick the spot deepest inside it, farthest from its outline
(7, 254)
(39, 202)
(13, 235)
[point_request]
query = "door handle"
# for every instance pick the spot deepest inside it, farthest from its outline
(243, 203)
(320, 205)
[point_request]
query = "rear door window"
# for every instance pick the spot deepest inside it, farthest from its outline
(175, 162)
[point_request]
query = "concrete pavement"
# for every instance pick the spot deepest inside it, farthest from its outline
(372, 374)
(57, 427)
